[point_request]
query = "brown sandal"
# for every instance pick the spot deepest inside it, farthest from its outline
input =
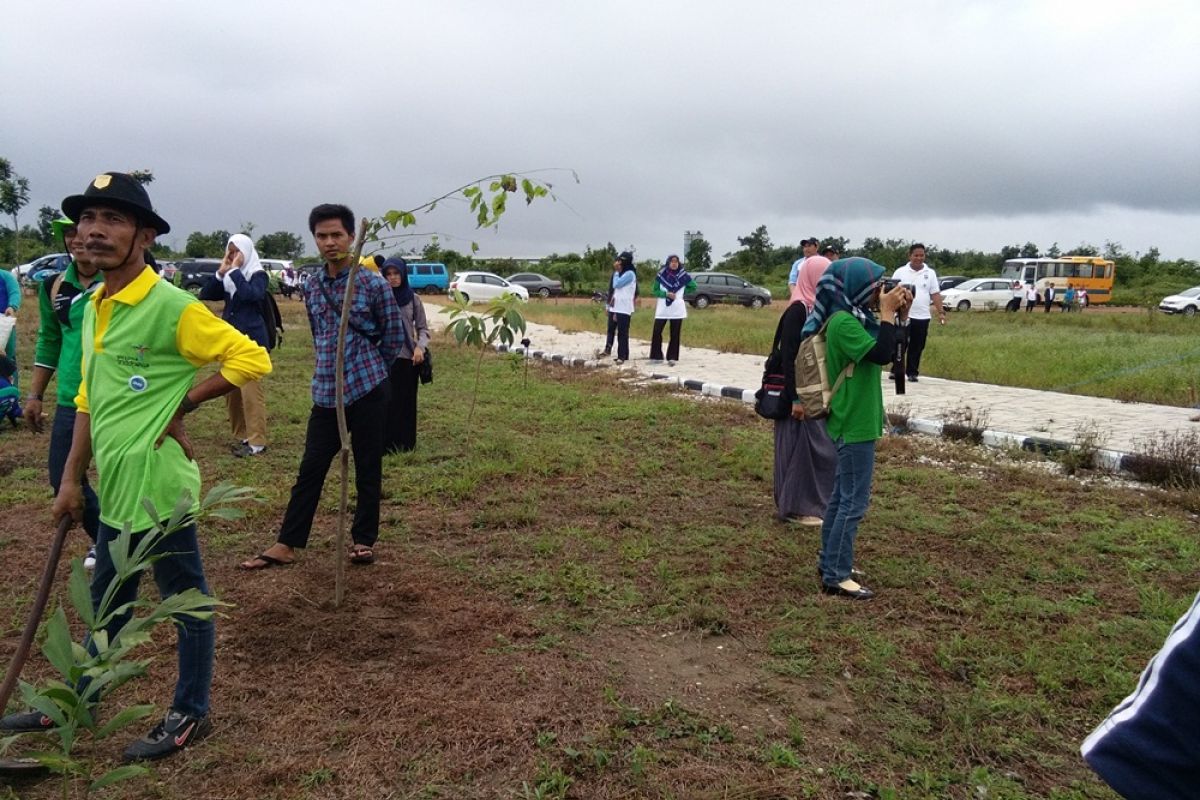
(361, 554)
(267, 563)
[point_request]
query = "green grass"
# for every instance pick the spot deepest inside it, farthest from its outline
(1015, 609)
(1144, 356)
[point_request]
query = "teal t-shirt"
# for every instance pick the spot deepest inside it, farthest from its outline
(856, 413)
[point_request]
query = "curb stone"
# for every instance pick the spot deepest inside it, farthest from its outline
(1112, 460)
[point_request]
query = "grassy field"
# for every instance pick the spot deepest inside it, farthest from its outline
(1142, 356)
(583, 594)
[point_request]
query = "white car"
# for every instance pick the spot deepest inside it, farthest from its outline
(482, 287)
(979, 294)
(1186, 302)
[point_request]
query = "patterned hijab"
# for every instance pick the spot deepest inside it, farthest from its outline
(673, 279)
(846, 286)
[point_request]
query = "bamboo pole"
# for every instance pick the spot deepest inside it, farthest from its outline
(339, 556)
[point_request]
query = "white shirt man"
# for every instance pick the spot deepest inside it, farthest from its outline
(808, 248)
(927, 294)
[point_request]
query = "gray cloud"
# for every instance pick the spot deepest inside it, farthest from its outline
(969, 124)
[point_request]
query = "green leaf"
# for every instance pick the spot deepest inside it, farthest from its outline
(119, 774)
(494, 187)
(474, 248)
(227, 513)
(123, 718)
(57, 647)
(471, 191)
(80, 592)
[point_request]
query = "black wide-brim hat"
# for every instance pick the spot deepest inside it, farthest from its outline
(118, 190)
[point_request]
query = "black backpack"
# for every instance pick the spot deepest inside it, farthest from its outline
(274, 322)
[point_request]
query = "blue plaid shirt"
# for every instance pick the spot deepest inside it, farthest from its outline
(373, 338)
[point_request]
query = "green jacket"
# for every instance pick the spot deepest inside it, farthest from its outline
(60, 330)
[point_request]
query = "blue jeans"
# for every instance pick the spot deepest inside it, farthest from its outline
(179, 570)
(847, 507)
(60, 446)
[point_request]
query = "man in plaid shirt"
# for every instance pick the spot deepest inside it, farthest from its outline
(374, 338)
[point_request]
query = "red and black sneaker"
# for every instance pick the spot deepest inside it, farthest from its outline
(168, 737)
(26, 722)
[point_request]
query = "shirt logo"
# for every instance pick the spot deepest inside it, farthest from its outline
(137, 383)
(139, 361)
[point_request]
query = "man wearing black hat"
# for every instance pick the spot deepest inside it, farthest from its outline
(135, 389)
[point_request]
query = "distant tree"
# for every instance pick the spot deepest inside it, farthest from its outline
(1084, 249)
(206, 245)
(699, 255)
(142, 176)
(1151, 258)
(1009, 251)
(46, 215)
(247, 228)
(1112, 250)
(1053, 252)
(1030, 250)
(280, 244)
(755, 253)
(14, 195)
(839, 243)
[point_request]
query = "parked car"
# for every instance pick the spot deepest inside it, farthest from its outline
(980, 294)
(192, 273)
(25, 272)
(480, 287)
(724, 287)
(1186, 302)
(537, 284)
(428, 276)
(950, 281)
(169, 268)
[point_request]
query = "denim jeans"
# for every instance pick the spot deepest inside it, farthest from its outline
(60, 446)
(847, 506)
(181, 569)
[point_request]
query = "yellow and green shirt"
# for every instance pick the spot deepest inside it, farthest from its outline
(141, 350)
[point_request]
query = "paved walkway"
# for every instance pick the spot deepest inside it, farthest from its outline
(1013, 416)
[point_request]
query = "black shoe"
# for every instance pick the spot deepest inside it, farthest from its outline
(913, 379)
(247, 450)
(26, 722)
(861, 593)
(891, 376)
(174, 733)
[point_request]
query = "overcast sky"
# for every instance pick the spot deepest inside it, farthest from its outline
(962, 124)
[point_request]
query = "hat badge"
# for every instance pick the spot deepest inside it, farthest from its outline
(102, 181)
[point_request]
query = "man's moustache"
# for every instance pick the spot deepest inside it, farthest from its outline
(99, 248)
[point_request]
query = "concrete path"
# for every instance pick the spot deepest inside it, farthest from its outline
(1025, 417)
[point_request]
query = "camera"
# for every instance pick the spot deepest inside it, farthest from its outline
(892, 283)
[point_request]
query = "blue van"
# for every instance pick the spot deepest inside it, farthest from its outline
(428, 276)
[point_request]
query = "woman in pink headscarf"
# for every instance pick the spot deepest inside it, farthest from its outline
(806, 280)
(805, 457)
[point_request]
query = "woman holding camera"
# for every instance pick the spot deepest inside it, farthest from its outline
(844, 299)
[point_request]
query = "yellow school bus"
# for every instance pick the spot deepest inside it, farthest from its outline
(1083, 272)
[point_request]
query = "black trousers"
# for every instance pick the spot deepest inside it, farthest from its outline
(656, 339)
(622, 323)
(918, 332)
(400, 427)
(364, 419)
(611, 333)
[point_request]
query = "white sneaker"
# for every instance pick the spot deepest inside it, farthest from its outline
(89, 561)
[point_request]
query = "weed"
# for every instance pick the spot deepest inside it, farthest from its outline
(965, 424)
(780, 755)
(550, 783)
(1089, 439)
(1171, 460)
(318, 777)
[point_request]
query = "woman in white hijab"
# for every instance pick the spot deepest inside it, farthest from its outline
(241, 282)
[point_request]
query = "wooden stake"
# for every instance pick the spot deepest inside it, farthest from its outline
(339, 555)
